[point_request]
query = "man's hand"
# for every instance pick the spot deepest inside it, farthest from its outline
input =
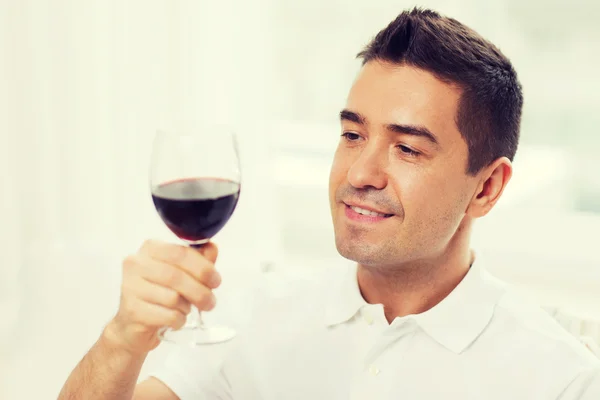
(160, 282)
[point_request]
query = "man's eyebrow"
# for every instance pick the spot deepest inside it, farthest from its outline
(352, 117)
(404, 129)
(414, 131)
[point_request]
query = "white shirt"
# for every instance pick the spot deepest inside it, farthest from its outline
(325, 342)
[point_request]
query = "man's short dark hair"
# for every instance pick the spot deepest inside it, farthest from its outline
(489, 112)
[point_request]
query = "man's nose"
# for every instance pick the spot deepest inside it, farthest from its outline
(368, 170)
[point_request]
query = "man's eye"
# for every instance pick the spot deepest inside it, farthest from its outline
(408, 151)
(351, 136)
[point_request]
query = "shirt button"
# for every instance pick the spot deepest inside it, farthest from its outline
(373, 370)
(368, 318)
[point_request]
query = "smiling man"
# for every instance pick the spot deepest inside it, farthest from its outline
(405, 187)
(428, 133)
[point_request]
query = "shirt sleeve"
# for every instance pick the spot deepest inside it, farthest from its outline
(196, 373)
(586, 386)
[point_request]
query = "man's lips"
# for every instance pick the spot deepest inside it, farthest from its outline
(366, 210)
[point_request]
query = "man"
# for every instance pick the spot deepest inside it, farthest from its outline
(428, 133)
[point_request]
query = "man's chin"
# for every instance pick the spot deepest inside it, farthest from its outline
(358, 251)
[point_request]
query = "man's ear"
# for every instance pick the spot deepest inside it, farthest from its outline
(493, 180)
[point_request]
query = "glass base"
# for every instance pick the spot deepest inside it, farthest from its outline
(194, 336)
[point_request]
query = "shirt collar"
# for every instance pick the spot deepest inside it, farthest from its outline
(455, 322)
(346, 299)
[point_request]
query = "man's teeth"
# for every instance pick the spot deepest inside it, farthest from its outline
(362, 211)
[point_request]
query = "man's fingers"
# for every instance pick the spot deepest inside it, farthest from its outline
(174, 278)
(153, 315)
(210, 251)
(190, 260)
(156, 294)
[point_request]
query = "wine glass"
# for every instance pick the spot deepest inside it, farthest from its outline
(195, 185)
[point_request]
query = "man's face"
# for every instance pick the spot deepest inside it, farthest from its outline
(398, 186)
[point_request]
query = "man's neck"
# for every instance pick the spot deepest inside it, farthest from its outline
(415, 288)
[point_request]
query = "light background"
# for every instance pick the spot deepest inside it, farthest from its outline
(85, 84)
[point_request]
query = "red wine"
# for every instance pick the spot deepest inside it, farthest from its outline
(196, 209)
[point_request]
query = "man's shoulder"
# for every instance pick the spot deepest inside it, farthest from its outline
(529, 344)
(525, 326)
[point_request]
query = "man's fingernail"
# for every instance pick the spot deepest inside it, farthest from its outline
(212, 301)
(215, 279)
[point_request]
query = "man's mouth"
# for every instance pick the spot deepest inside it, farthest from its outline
(368, 213)
(362, 211)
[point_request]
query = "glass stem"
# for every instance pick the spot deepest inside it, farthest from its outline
(194, 319)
